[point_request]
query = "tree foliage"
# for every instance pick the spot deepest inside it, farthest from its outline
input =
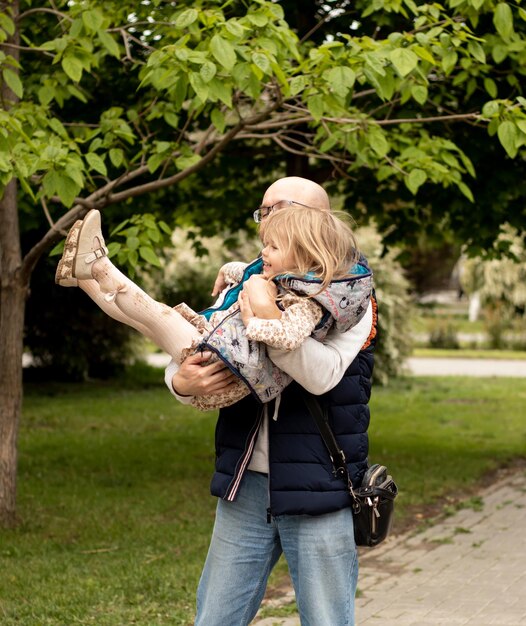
(105, 103)
(117, 102)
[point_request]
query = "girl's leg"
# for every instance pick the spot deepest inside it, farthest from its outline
(85, 258)
(92, 289)
(164, 326)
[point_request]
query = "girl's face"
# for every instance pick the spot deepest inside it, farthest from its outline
(275, 259)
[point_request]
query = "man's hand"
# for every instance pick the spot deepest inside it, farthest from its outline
(194, 379)
(262, 297)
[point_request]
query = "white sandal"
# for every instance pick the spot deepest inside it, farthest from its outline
(81, 250)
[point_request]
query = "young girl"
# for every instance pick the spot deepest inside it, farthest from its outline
(310, 262)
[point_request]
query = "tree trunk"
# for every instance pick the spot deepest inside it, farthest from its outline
(13, 291)
(12, 302)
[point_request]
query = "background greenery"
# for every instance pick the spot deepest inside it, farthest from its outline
(114, 507)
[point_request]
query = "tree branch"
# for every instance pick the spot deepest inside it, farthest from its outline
(54, 12)
(103, 197)
(28, 49)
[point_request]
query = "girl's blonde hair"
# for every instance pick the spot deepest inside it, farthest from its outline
(321, 242)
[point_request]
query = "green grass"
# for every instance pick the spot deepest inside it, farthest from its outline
(464, 353)
(114, 504)
(426, 322)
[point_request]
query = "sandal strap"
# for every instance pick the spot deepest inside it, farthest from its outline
(98, 253)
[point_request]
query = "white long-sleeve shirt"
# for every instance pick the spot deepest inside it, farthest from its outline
(317, 366)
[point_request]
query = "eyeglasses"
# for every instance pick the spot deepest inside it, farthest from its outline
(265, 211)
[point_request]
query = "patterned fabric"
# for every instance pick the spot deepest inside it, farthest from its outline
(244, 349)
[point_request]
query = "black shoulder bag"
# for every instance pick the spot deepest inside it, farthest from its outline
(373, 501)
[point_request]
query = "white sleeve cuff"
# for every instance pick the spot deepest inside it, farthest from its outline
(172, 369)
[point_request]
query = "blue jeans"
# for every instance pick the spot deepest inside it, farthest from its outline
(319, 550)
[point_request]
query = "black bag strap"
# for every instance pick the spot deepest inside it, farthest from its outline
(336, 453)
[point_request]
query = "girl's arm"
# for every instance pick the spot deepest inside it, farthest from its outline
(296, 322)
(229, 274)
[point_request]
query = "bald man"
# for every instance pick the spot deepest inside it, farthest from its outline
(274, 480)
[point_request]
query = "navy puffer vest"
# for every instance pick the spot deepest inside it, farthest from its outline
(300, 473)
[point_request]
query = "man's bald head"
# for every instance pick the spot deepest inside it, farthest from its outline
(300, 190)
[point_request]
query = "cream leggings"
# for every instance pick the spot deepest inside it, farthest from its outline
(125, 302)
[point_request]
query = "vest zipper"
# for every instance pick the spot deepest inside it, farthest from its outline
(242, 465)
(269, 508)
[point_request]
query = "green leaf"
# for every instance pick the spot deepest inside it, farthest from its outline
(404, 60)
(297, 84)
(132, 242)
(155, 161)
(14, 83)
(164, 227)
(477, 51)
(149, 256)
(223, 51)
(77, 93)
(109, 43)
(378, 143)
(503, 20)
(424, 54)
(491, 87)
(117, 156)
(468, 164)
(92, 20)
(315, 106)
(7, 24)
(67, 189)
(236, 29)
(221, 90)
(185, 162)
(96, 163)
(521, 124)
(133, 260)
(208, 71)
(261, 61)
(466, 191)
(490, 109)
(171, 119)
(386, 86)
(330, 142)
(56, 125)
(258, 19)
(218, 120)
(187, 17)
(499, 53)
(113, 248)
(341, 79)
(415, 179)
(419, 93)
(73, 67)
(508, 136)
(46, 94)
(449, 60)
(200, 87)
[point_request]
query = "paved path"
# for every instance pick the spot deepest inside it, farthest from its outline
(421, 366)
(468, 570)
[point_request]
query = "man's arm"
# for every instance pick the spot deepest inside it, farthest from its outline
(317, 366)
(192, 378)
